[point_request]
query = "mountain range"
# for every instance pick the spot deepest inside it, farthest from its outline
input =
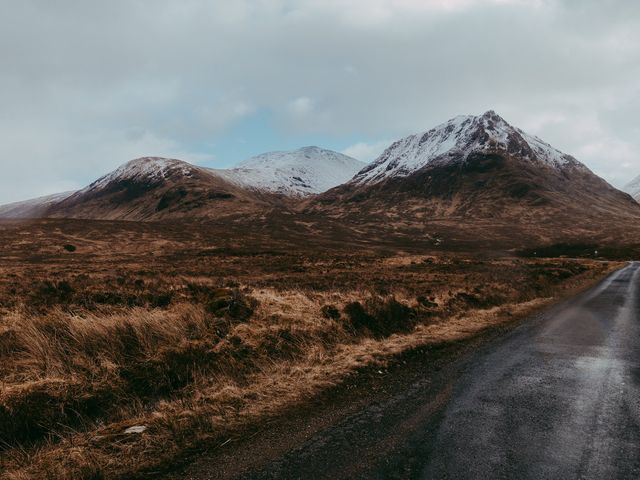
(153, 188)
(471, 174)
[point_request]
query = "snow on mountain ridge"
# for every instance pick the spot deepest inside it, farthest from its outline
(305, 171)
(144, 168)
(453, 141)
(633, 188)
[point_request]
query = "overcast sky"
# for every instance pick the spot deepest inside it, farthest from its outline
(87, 85)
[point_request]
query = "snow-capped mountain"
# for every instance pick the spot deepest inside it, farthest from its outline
(33, 208)
(633, 188)
(476, 173)
(153, 188)
(454, 141)
(305, 171)
(472, 171)
(145, 169)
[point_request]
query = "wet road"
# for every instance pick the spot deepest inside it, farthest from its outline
(557, 398)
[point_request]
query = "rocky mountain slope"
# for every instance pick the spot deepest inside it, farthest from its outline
(633, 188)
(34, 208)
(480, 174)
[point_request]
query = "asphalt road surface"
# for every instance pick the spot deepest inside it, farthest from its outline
(557, 398)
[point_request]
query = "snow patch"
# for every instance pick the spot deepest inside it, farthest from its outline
(300, 172)
(633, 188)
(454, 141)
(135, 429)
(146, 168)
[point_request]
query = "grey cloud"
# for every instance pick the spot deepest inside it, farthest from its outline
(84, 85)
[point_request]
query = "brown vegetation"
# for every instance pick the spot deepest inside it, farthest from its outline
(193, 339)
(499, 194)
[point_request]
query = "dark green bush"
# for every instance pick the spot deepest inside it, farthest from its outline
(380, 318)
(330, 312)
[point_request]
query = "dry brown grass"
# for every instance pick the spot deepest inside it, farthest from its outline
(198, 353)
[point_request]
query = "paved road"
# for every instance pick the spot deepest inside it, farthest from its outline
(557, 398)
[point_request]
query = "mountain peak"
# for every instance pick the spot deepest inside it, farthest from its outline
(311, 149)
(455, 140)
(304, 171)
(144, 169)
(151, 164)
(491, 114)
